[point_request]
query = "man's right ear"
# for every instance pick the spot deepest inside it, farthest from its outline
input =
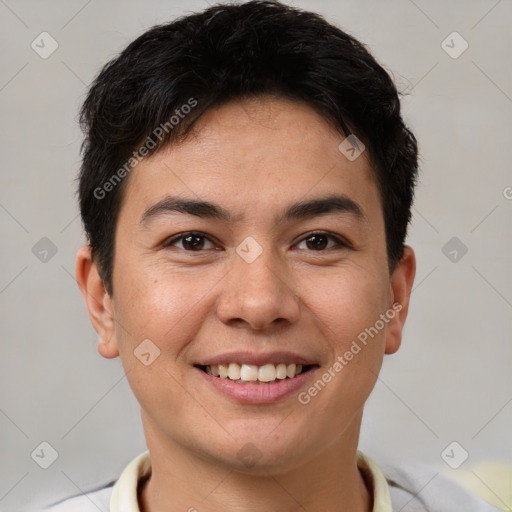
(99, 302)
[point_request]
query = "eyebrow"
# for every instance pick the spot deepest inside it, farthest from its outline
(335, 203)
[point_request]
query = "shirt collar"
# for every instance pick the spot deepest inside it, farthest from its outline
(376, 481)
(124, 492)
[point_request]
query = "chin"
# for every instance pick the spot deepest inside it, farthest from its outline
(258, 455)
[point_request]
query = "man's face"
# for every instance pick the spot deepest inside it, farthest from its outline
(273, 284)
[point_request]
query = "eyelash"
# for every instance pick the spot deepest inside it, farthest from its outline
(339, 242)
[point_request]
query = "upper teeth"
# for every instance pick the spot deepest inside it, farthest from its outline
(248, 372)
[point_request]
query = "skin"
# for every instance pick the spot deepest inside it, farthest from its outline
(254, 158)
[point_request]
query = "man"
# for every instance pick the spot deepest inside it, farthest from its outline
(246, 188)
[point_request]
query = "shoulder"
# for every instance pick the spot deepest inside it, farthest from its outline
(118, 495)
(95, 501)
(417, 487)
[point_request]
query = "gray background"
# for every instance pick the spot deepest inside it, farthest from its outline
(451, 379)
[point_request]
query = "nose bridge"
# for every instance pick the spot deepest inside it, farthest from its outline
(256, 290)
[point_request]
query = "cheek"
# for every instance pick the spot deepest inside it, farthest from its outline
(160, 308)
(346, 303)
(168, 307)
(152, 304)
(344, 309)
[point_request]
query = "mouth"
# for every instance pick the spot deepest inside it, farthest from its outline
(256, 384)
(249, 377)
(265, 374)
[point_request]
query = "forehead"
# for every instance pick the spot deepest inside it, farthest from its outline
(250, 152)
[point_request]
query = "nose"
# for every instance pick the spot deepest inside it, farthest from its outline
(257, 294)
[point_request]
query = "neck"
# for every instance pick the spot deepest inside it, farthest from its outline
(185, 481)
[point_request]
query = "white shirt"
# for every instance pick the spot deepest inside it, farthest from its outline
(416, 488)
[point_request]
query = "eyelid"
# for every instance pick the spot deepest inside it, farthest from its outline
(340, 241)
(169, 241)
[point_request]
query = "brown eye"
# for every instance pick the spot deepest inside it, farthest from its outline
(317, 242)
(320, 241)
(192, 242)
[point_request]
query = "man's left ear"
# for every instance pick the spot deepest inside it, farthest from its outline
(401, 286)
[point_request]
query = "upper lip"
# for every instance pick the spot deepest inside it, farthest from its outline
(256, 359)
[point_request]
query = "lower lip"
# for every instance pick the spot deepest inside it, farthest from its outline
(258, 393)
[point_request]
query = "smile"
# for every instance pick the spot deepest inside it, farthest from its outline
(256, 384)
(249, 373)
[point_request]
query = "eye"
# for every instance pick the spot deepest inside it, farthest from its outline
(320, 240)
(191, 241)
(196, 241)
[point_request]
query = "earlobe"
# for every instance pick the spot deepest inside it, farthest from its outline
(98, 301)
(402, 280)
